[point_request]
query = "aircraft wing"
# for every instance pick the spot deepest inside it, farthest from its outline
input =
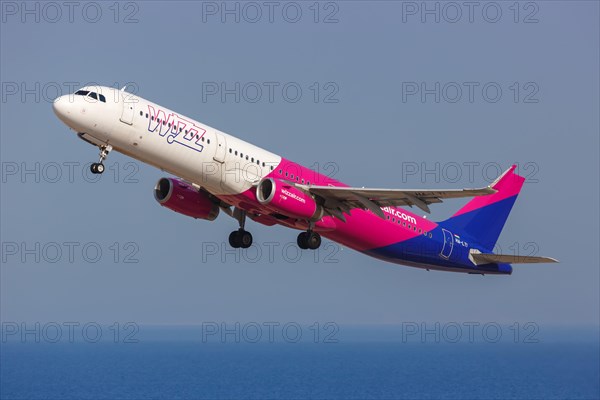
(339, 200)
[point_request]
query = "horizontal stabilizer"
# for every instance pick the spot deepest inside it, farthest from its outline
(489, 258)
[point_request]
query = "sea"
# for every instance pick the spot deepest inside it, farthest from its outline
(183, 363)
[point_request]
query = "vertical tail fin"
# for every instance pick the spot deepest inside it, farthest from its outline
(483, 217)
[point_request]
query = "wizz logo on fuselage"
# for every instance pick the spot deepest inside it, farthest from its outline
(176, 129)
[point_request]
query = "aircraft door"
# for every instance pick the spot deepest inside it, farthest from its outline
(448, 244)
(128, 100)
(221, 148)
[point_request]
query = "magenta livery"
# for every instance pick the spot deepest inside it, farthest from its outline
(217, 172)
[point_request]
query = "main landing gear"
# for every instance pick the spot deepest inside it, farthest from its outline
(309, 240)
(240, 238)
(98, 168)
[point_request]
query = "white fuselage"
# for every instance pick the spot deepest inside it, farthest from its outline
(221, 163)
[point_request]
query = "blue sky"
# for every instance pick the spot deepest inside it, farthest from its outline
(363, 126)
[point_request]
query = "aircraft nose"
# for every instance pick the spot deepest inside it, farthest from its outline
(60, 107)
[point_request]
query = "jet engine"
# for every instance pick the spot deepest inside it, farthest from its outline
(183, 198)
(286, 199)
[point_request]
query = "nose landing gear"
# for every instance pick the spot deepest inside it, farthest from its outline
(98, 168)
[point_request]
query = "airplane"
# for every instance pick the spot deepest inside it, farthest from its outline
(217, 172)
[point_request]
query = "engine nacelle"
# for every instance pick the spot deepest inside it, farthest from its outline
(183, 198)
(284, 198)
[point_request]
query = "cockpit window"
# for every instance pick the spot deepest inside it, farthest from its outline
(93, 95)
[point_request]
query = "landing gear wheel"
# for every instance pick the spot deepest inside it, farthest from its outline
(97, 168)
(309, 240)
(313, 240)
(245, 239)
(233, 240)
(302, 242)
(240, 238)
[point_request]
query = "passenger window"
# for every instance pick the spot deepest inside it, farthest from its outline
(208, 141)
(141, 114)
(146, 115)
